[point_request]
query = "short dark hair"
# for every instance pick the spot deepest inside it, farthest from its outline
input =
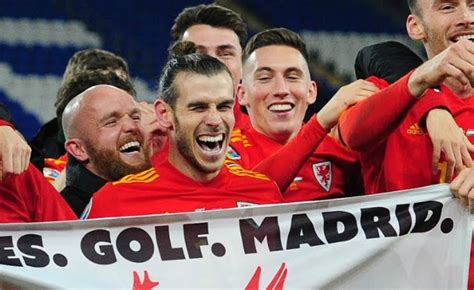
(213, 15)
(413, 6)
(196, 63)
(389, 60)
(84, 80)
(182, 48)
(275, 36)
(94, 59)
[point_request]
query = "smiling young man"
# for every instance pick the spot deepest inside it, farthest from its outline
(397, 151)
(276, 90)
(216, 31)
(196, 105)
(395, 148)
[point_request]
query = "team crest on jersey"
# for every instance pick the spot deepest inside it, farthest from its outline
(232, 154)
(323, 173)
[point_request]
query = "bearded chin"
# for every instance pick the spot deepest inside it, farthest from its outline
(187, 153)
(109, 165)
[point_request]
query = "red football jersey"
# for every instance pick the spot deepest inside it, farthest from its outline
(164, 189)
(29, 197)
(330, 171)
(403, 159)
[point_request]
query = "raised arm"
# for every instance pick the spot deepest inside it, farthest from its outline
(373, 119)
(390, 61)
(285, 164)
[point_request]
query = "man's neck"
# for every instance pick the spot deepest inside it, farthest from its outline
(94, 171)
(189, 170)
(281, 138)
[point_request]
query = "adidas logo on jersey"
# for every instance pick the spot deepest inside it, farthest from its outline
(415, 129)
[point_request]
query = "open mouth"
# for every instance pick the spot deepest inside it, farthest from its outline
(210, 143)
(467, 36)
(130, 147)
(281, 107)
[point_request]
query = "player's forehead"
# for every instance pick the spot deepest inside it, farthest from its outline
(275, 58)
(210, 37)
(103, 100)
(422, 5)
(194, 87)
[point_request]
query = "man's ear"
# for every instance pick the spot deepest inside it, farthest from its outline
(76, 148)
(313, 92)
(415, 27)
(241, 95)
(163, 114)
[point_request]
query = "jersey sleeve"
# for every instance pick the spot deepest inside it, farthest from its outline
(29, 197)
(284, 165)
(433, 99)
(371, 120)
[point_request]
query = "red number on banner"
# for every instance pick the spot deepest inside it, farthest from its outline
(277, 283)
(147, 284)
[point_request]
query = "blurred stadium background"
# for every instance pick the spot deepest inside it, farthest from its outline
(38, 37)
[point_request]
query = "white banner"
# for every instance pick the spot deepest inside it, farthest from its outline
(405, 240)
